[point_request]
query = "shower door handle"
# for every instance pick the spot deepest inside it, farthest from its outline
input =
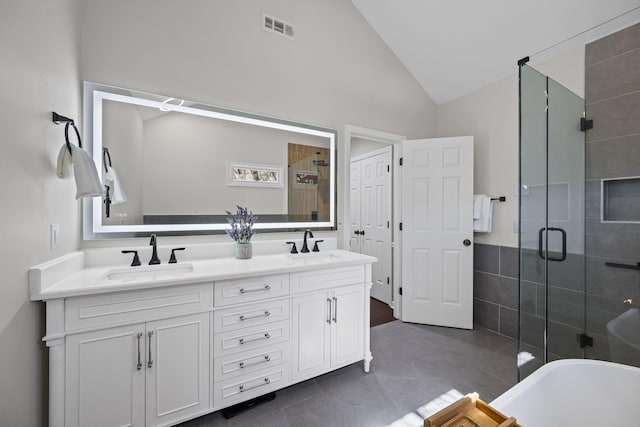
(541, 251)
(564, 244)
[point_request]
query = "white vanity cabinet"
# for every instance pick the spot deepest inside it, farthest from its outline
(328, 326)
(142, 374)
(151, 369)
(145, 353)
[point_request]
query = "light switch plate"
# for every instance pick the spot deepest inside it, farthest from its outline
(54, 236)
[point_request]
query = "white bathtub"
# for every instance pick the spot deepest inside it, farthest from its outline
(575, 392)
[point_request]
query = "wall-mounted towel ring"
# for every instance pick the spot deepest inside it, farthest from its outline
(66, 135)
(58, 119)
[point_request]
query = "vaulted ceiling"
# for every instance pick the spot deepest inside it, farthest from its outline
(453, 47)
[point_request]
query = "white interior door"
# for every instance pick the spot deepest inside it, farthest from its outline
(371, 216)
(375, 220)
(354, 201)
(437, 236)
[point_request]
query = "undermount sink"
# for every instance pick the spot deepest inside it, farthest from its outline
(313, 258)
(148, 272)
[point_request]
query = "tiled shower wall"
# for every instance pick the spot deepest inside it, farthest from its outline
(612, 97)
(495, 288)
(495, 292)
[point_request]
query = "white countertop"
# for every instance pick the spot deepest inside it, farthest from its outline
(69, 276)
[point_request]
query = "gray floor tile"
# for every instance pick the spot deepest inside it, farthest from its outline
(412, 365)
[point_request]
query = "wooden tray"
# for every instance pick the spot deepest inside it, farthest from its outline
(470, 411)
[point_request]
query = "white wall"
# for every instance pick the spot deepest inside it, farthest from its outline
(39, 74)
(337, 71)
(491, 116)
(361, 146)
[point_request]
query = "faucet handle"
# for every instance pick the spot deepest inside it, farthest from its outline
(315, 246)
(173, 259)
(294, 250)
(136, 258)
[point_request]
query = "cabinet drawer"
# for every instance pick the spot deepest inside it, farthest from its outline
(319, 280)
(134, 306)
(232, 318)
(250, 338)
(249, 361)
(237, 291)
(247, 387)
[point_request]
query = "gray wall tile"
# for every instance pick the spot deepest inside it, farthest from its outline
(612, 240)
(532, 266)
(592, 199)
(568, 274)
(613, 77)
(529, 297)
(611, 282)
(508, 322)
(486, 286)
(566, 307)
(485, 314)
(613, 45)
(614, 118)
(508, 292)
(508, 261)
(563, 340)
(532, 330)
(602, 310)
(486, 258)
(613, 158)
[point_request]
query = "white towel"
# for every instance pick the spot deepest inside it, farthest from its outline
(64, 168)
(111, 179)
(84, 171)
(477, 205)
(484, 224)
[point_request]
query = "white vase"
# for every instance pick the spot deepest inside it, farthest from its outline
(243, 250)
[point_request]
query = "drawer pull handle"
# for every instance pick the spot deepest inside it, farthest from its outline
(265, 314)
(266, 336)
(264, 288)
(243, 388)
(329, 311)
(264, 360)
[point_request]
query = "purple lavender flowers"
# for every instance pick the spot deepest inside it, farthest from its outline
(241, 225)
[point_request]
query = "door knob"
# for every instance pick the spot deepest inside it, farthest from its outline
(466, 242)
(356, 232)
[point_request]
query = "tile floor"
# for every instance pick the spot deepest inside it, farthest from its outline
(412, 365)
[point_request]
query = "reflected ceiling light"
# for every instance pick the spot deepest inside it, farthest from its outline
(163, 105)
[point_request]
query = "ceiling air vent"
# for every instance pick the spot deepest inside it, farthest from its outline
(276, 25)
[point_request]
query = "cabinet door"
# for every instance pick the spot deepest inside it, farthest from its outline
(347, 325)
(310, 324)
(177, 368)
(105, 379)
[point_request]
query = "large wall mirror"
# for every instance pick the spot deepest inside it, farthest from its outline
(175, 167)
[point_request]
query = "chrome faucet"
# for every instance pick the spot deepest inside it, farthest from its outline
(154, 256)
(305, 248)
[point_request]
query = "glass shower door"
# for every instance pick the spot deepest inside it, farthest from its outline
(551, 222)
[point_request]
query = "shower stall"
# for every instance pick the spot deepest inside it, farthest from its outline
(579, 224)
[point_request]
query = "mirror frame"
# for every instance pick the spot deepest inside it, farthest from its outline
(95, 94)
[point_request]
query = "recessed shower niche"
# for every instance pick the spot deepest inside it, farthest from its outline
(621, 199)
